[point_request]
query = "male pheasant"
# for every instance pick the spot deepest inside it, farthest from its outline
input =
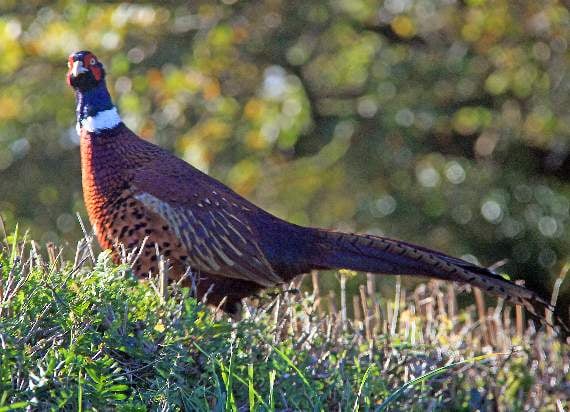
(135, 190)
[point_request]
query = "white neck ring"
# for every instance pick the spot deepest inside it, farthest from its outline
(105, 120)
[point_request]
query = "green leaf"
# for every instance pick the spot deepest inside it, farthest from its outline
(14, 406)
(118, 388)
(250, 389)
(93, 374)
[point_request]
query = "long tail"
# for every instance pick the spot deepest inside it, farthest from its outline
(388, 256)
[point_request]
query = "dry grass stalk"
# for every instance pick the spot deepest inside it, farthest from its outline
(316, 291)
(554, 296)
(519, 318)
(52, 253)
(365, 313)
(451, 302)
(163, 278)
(343, 300)
(88, 238)
(357, 310)
(332, 302)
(428, 304)
(275, 311)
(395, 314)
(481, 312)
(374, 303)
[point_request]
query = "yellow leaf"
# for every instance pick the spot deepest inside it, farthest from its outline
(403, 26)
(159, 327)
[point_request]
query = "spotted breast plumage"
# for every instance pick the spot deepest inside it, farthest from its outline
(135, 190)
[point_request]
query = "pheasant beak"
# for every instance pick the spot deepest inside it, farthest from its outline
(78, 68)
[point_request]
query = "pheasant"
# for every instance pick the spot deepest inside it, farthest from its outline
(135, 193)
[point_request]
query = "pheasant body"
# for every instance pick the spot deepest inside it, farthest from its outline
(136, 192)
(116, 215)
(128, 201)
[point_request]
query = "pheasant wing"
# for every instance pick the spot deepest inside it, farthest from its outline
(212, 226)
(216, 241)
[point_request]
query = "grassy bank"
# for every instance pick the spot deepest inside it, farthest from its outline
(79, 334)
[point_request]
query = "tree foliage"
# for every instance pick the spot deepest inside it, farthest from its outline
(442, 122)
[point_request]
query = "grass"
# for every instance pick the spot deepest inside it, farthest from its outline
(83, 335)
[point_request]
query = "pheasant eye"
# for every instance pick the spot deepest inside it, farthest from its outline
(92, 61)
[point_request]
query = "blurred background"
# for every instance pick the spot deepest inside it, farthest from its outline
(446, 123)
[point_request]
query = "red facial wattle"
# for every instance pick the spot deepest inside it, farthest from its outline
(90, 62)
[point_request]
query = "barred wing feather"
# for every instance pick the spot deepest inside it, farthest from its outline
(217, 241)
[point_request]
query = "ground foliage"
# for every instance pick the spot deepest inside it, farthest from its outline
(442, 122)
(81, 335)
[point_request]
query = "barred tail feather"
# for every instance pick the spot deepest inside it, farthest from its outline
(381, 255)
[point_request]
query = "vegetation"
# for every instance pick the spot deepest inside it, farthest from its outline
(77, 336)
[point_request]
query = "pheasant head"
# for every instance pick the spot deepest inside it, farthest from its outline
(96, 112)
(85, 71)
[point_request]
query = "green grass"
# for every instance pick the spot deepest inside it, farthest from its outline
(83, 336)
